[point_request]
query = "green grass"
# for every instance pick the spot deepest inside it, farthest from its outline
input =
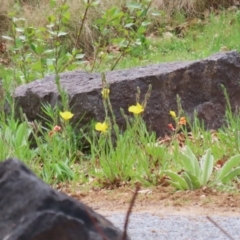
(200, 40)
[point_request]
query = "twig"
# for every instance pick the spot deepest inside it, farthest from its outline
(78, 34)
(220, 228)
(121, 56)
(129, 212)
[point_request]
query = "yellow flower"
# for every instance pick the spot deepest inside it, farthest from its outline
(105, 93)
(66, 115)
(173, 114)
(136, 109)
(101, 127)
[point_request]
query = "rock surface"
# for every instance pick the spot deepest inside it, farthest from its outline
(32, 210)
(198, 83)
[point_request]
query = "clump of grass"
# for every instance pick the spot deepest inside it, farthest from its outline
(121, 157)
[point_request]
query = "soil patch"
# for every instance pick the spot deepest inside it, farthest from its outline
(159, 201)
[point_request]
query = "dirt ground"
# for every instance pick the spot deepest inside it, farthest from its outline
(159, 201)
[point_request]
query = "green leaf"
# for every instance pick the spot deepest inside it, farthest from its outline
(134, 5)
(62, 34)
(194, 180)
(176, 185)
(39, 49)
(227, 167)
(33, 47)
(66, 170)
(191, 180)
(144, 24)
(52, 19)
(80, 56)
(128, 25)
(21, 135)
(48, 51)
(7, 38)
(19, 29)
(141, 30)
(190, 162)
(18, 43)
(52, 3)
(177, 179)
(188, 181)
(95, 3)
(231, 175)
(22, 38)
(206, 163)
(64, 7)
(57, 169)
(66, 17)
(37, 66)
(156, 13)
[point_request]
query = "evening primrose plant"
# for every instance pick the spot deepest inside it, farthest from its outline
(57, 145)
(119, 157)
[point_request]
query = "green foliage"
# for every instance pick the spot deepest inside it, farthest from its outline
(123, 30)
(36, 52)
(14, 140)
(198, 39)
(229, 170)
(195, 173)
(118, 157)
(57, 146)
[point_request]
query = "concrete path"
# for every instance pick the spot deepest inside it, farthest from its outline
(147, 226)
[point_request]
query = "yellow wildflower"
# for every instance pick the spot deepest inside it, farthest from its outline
(136, 109)
(173, 114)
(66, 115)
(101, 127)
(105, 92)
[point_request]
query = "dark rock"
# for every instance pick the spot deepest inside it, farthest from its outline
(32, 210)
(198, 83)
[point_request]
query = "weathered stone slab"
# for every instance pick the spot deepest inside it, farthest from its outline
(198, 83)
(32, 210)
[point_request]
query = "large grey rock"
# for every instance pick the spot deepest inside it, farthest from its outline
(32, 210)
(198, 83)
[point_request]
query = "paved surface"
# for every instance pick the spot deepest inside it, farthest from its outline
(145, 226)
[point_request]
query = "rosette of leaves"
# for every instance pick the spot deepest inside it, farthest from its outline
(198, 173)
